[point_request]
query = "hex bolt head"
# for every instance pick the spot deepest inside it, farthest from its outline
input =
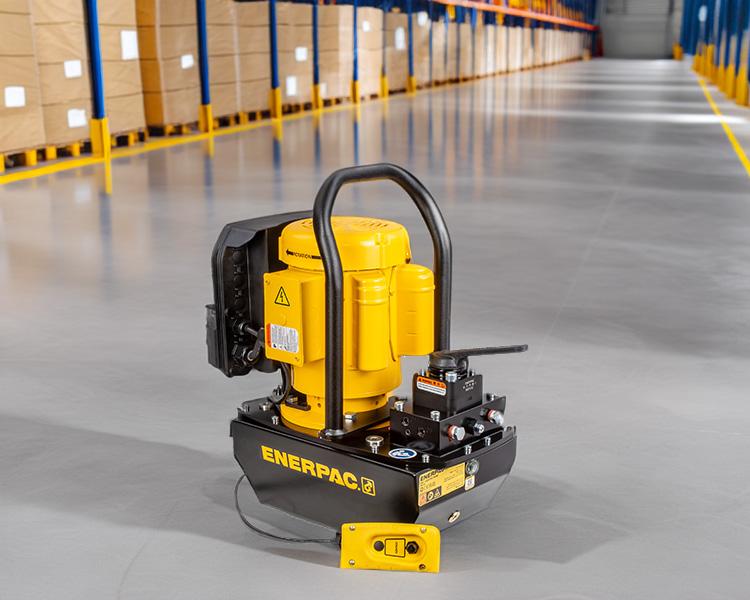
(352, 527)
(425, 458)
(399, 405)
(467, 450)
(350, 417)
(374, 441)
(472, 467)
(351, 562)
(495, 417)
(435, 415)
(488, 441)
(265, 406)
(477, 428)
(456, 433)
(275, 419)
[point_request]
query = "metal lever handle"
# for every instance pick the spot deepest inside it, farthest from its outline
(450, 360)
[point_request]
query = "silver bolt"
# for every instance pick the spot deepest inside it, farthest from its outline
(435, 415)
(488, 441)
(422, 372)
(275, 419)
(265, 406)
(495, 417)
(352, 527)
(399, 405)
(351, 417)
(451, 376)
(351, 562)
(423, 529)
(477, 428)
(492, 397)
(456, 433)
(472, 467)
(467, 450)
(374, 442)
(425, 458)
(454, 516)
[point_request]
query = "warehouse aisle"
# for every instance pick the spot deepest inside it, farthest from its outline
(599, 214)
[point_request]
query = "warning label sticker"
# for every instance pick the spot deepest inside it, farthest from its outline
(431, 385)
(439, 482)
(283, 338)
(282, 298)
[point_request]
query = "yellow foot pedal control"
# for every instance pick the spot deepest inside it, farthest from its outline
(390, 547)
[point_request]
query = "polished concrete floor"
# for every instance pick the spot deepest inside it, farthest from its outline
(599, 214)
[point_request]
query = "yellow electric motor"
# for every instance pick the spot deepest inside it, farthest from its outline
(388, 313)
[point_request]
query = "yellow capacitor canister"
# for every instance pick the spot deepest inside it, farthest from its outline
(388, 313)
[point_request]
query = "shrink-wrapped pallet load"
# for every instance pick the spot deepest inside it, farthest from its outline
(294, 36)
(253, 45)
(123, 90)
(369, 50)
(335, 45)
(168, 45)
(223, 61)
(396, 50)
(62, 59)
(21, 120)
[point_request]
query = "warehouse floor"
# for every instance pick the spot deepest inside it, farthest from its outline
(599, 214)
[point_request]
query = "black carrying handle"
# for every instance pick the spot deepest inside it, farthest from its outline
(329, 253)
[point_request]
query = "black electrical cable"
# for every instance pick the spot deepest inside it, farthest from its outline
(272, 536)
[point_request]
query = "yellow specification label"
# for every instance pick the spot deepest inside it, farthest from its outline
(439, 482)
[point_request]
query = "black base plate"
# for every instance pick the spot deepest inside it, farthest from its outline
(342, 480)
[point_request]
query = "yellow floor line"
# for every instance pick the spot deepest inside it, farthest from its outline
(178, 140)
(739, 150)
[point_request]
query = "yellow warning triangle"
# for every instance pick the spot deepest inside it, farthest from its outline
(282, 298)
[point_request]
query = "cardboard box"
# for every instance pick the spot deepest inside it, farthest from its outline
(21, 119)
(253, 56)
(335, 43)
(223, 56)
(396, 50)
(62, 59)
(439, 51)
(168, 47)
(123, 89)
(370, 24)
(466, 54)
(501, 49)
(421, 26)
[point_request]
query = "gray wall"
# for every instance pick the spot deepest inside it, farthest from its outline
(638, 28)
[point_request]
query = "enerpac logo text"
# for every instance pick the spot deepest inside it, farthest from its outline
(319, 470)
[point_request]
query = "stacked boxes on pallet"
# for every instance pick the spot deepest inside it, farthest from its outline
(501, 49)
(369, 49)
(439, 29)
(335, 43)
(168, 40)
(421, 26)
(62, 57)
(528, 50)
(466, 54)
(481, 36)
(223, 66)
(294, 35)
(123, 91)
(396, 54)
(21, 121)
(451, 42)
(254, 55)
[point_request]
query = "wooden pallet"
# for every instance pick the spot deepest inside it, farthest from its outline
(335, 101)
(32, 156)
(126, 139)
(172, 129)
(297, 107)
